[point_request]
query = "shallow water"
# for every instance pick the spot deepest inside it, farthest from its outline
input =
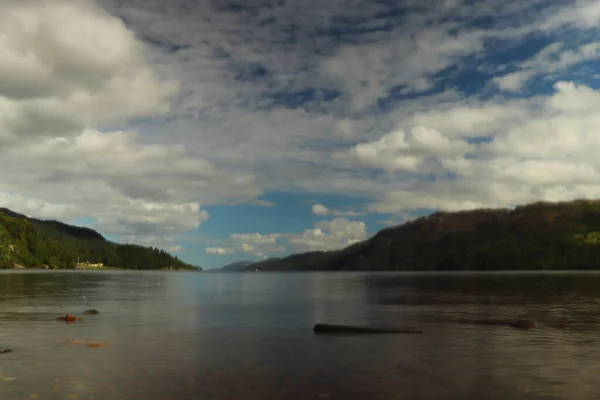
(249, 336)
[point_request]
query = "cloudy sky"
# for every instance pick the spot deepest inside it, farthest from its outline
(226, 130)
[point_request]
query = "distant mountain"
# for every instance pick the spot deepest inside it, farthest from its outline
(237, 266)
(536, 236)
(30, 243)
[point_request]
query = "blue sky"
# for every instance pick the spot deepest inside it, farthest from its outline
(228, 130)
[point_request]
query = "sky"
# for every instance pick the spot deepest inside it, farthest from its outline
(225, 130)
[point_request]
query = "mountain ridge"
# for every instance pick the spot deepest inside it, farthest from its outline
(236, 266)
(539, 235)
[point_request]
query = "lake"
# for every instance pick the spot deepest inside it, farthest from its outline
(181, 336)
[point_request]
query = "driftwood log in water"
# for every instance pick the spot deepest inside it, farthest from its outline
(328, 328)
(518, 324)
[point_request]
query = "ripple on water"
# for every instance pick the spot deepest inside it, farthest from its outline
(189, 336)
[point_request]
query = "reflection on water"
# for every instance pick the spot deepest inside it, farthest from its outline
(248, 336)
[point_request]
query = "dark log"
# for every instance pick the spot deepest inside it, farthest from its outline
(518, 324)
(328, 328)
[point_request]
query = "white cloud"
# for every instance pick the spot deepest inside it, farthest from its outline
(329, 235)
(127, 187)
(260, 203)
(368, 72)
(33, 207)
(248, 248)
(342, 227)
(574, 99)
(166, 243)
(255, 238)
(150, 218)
(469, 119)
(249, 130)
(70, 73)
(320, 209)
(514, 81)
(242, 121)
(153, 172)
(398, 219)
(68, 65)
(446, 197)
(257, 244)
(220, 250)
(554, 58)
(326, 235)
(401, 151)
(547, 154)
(344, 128)
(581, 14)
(261, 250)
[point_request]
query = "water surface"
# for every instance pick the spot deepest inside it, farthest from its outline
(248, 336)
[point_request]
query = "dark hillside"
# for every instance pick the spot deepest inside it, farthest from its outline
(535, 236)
(34, 243)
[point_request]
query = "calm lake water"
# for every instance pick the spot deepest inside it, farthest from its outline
(249, 336)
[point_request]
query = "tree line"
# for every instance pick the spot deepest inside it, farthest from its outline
(35, 243)
(538, 236)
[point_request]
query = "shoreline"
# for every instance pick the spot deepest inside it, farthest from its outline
(93, 269)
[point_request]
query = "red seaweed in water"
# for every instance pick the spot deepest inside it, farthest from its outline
(87, 343)
(68, 318)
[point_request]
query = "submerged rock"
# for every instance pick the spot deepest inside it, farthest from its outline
(523, 324)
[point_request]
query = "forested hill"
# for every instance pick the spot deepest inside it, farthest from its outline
(35, 243)
(535, 236)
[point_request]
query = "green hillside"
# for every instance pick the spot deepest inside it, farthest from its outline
(532, 237)
(34, 243)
